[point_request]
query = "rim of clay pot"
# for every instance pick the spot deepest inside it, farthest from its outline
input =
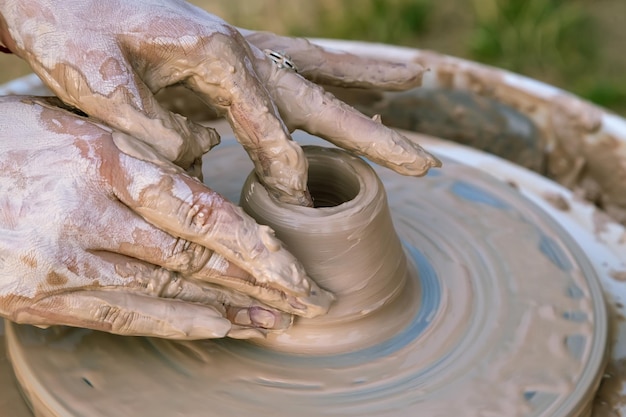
(341, 185)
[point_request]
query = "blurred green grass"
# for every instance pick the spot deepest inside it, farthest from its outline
(557, 41)
(574, 44)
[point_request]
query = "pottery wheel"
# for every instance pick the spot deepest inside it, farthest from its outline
(511, 321)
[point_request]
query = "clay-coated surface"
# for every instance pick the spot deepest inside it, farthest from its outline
(513, 325)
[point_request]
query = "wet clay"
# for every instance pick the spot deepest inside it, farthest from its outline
(509, 320)
(348, 245)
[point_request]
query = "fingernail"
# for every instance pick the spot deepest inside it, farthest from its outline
(206, 137)
(434, 161)
(305, 199)
(295, 303)
(296, 198)
(262, 318)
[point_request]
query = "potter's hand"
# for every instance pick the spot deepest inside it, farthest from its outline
(93, 237)
(109, 58)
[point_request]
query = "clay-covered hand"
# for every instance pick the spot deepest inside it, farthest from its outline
(93, 237)
(108, 58)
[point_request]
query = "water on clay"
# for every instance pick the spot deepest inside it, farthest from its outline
(504, 318)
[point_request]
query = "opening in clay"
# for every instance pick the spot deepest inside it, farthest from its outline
(332, 185)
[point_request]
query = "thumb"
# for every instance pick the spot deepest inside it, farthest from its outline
(127, 314)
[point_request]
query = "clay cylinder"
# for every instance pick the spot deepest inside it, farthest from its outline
(347, 244)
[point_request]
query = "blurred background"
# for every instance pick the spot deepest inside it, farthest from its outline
(578, 45)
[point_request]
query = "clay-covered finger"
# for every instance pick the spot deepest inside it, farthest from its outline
(151, 280)
(131, 291)
(331, 67)
(186, 208)
(126, 314)
(307, 106)
(240, 309)
(119, 97)
(126, 233)
(218, 270)
(230, 84)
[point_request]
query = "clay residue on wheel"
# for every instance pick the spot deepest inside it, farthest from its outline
(532, 124)
(618, 275)
(557, 200)
(608, 401)
(487, 355)
(580, 150)
(610, 398)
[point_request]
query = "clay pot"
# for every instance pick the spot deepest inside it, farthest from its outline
(347, 244)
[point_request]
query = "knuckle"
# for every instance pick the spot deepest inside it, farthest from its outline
(187, 257)
(200, 212)
(116, 319)
(124, 321)
(154, 281)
